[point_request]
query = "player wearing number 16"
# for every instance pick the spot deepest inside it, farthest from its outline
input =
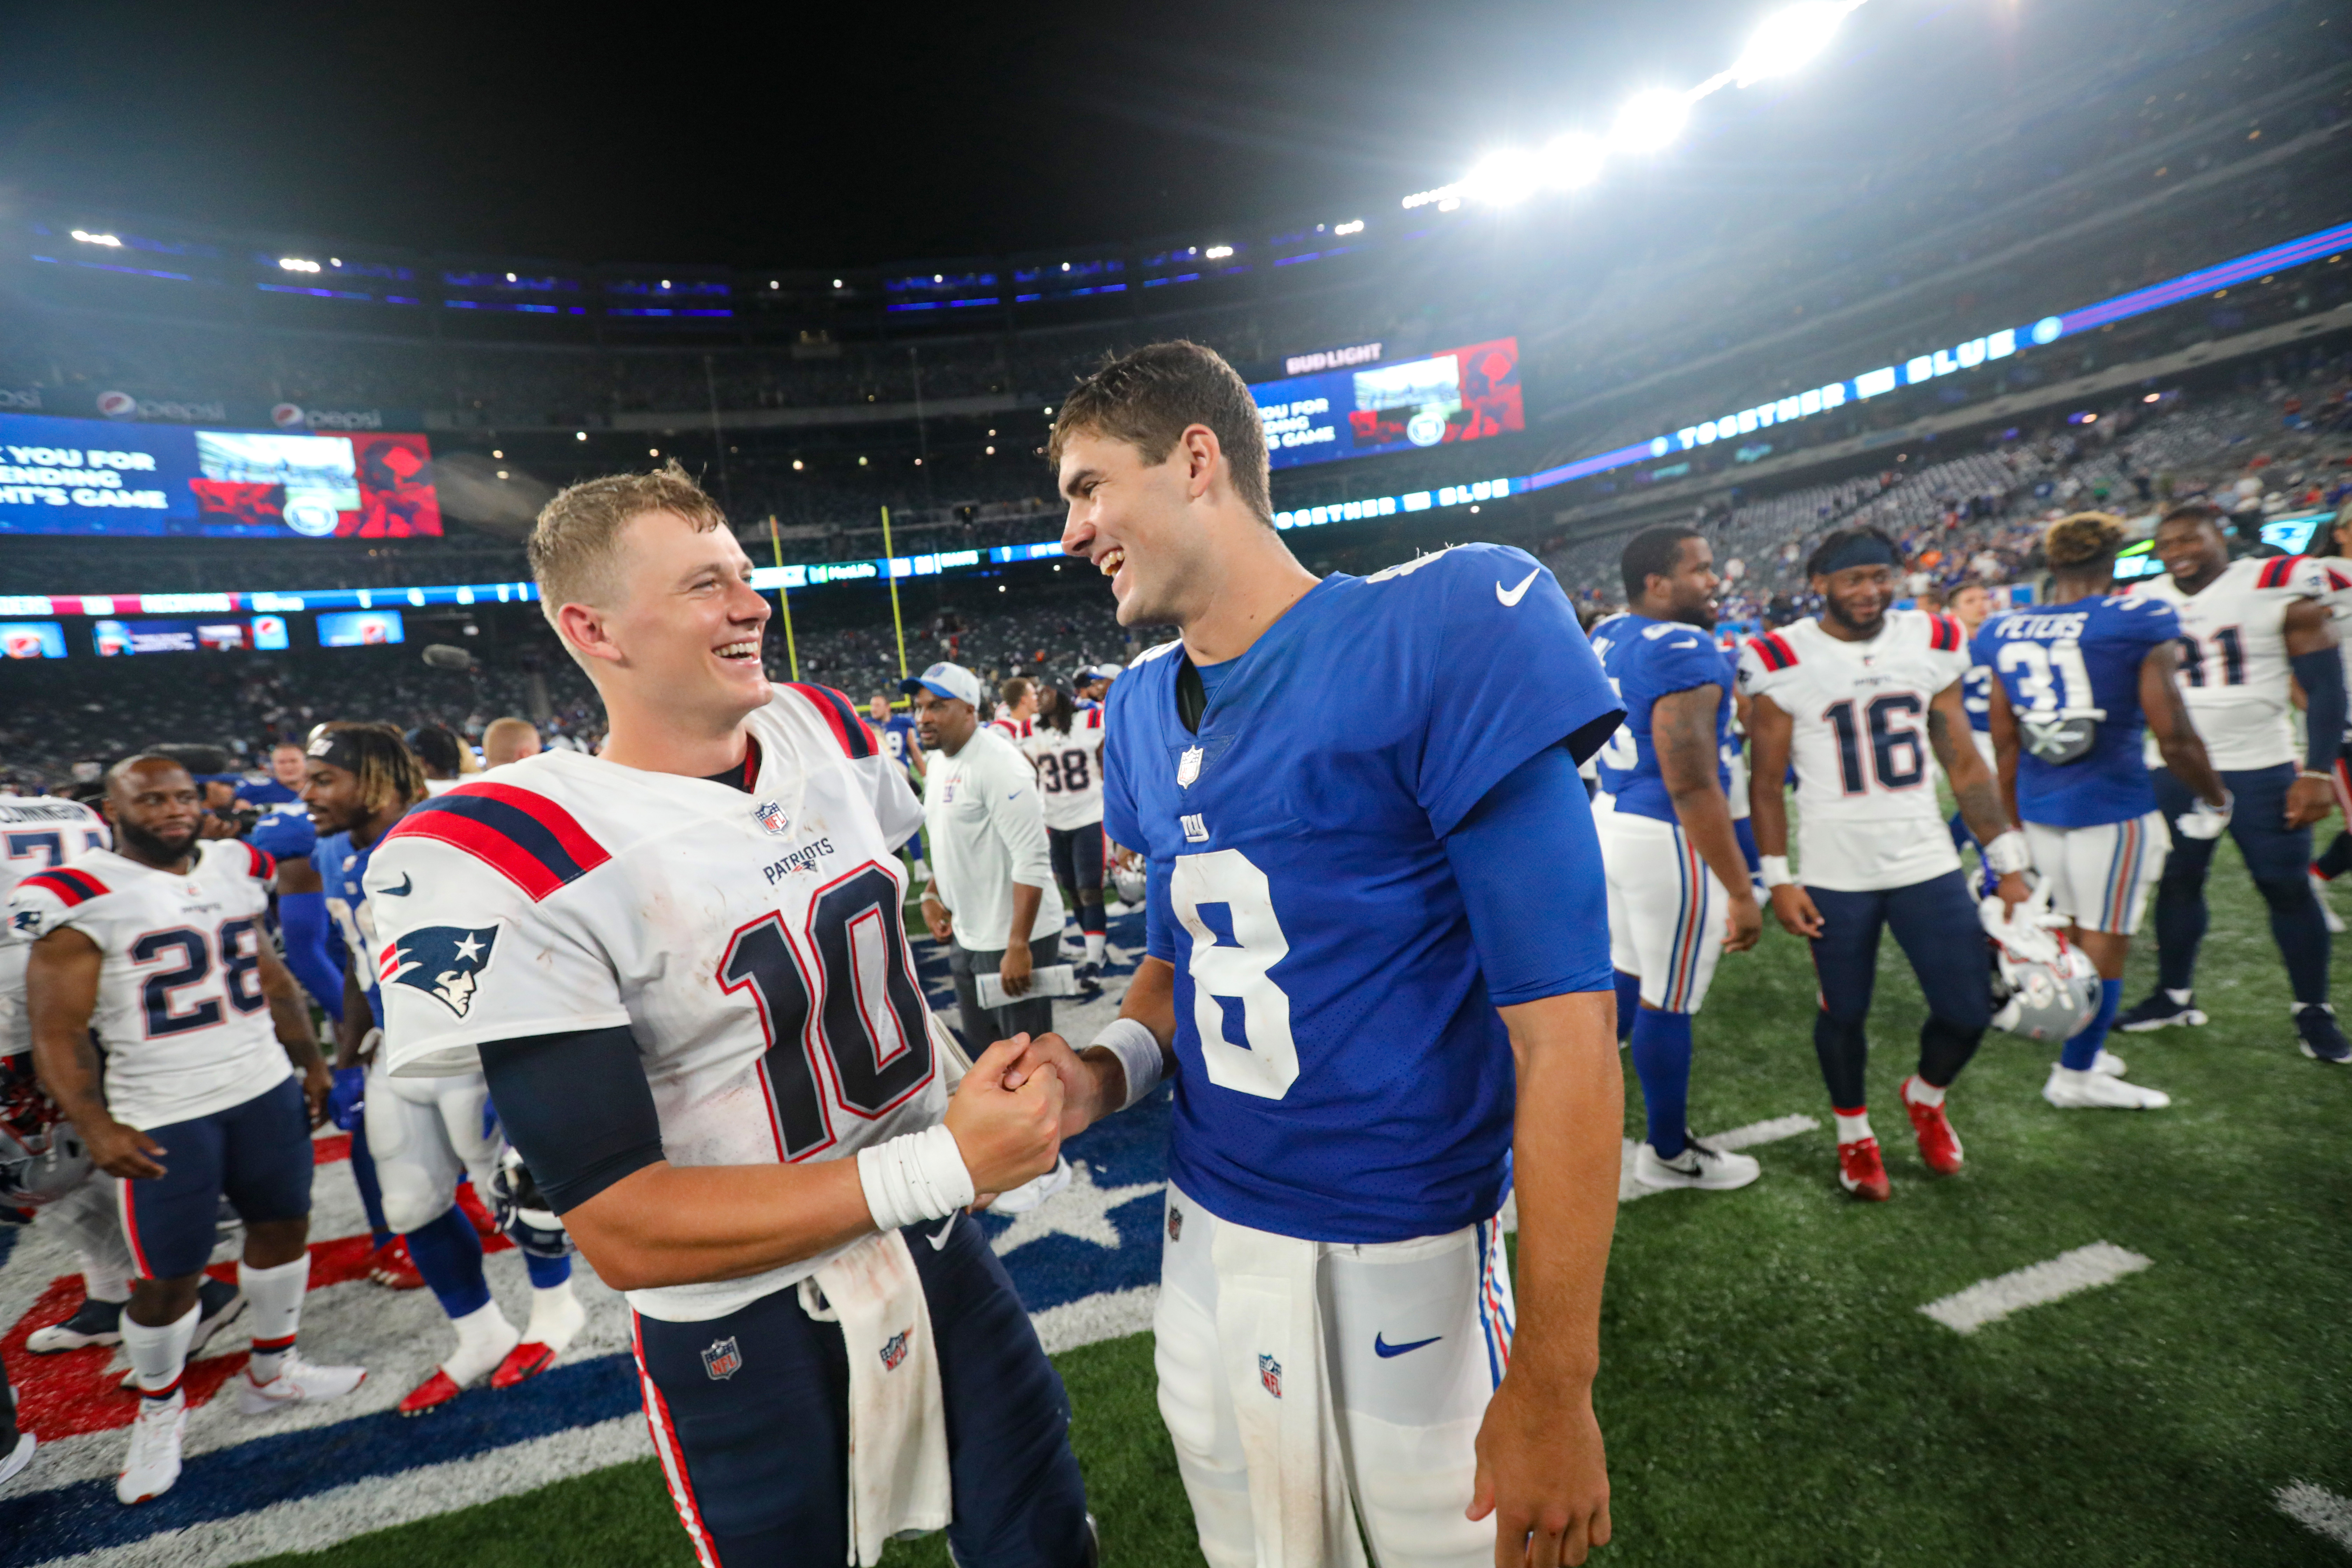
(682, 969)
(1377, 957)
(1858, 697)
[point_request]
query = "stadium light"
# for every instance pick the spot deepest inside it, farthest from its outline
(1573, 161)
(1787, 39)
(1650, 121)
(1504, 178)
(1353, 225)
(88, 239)
(297, 264)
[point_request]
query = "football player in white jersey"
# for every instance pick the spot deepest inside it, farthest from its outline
(1017, 705)
(2247, 627)
(2336, 859)
(683, 969)
(1860, 697)
(156, 949)
(1064, 745)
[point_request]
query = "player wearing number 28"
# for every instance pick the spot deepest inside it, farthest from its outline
(1857, 697)
(682, 968)
(2245, 627)
(1378, 967)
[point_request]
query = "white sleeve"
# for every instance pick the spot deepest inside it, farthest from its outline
(1017, 811)
(895, 805)
(466, 956)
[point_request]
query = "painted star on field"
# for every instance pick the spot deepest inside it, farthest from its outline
(1081, 1209)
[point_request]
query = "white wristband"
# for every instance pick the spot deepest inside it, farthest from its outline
(1774, 868)
(1138, 1051)
(2008, 853)
(915, 1177)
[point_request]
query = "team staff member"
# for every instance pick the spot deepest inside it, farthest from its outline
(992, 901)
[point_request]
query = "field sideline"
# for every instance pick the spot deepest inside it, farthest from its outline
(1772, 1393)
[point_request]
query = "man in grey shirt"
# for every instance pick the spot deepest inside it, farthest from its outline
(991, 901)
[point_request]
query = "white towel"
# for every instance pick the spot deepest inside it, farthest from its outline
(897, 1420)
(1270, 1339)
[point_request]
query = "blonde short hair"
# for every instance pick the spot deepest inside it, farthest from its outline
(575, 544)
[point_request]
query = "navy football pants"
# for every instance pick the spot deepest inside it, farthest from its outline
(257, 1154)
(2278, 859)
(1935, 923)
(766, 1448)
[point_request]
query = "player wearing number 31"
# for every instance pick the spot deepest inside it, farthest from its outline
(1858, 697)
(682, 968)
(1375, 1019)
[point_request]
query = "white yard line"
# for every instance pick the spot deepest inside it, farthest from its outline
(2069, 1273)
(2317, 1510)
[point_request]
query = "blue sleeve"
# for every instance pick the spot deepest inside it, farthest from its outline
(1159, 918)
(1118, 799)
(1548, 937)
(1681, 668)
(303, 922)
(1514, 677)
(2322, 674)
(285, 835)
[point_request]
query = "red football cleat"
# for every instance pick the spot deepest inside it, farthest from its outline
(1861, 1172)
(1939, 1146)
(471, 1202)
(391, 1267)
(431, 1394)
(525, 1361)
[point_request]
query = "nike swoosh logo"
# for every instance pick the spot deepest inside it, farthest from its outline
(1511, 598)
(941, 1240)
(1381, 1347)
(407, 886)
(1693, 642)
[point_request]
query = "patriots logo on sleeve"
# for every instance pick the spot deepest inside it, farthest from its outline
(442, 961)
(25, 923)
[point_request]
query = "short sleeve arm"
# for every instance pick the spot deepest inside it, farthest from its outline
(464, 956)
(1159, 915)
(895, 805)
(1548, 937)
(1119, 818)
(1018, 813)
(1514, 675)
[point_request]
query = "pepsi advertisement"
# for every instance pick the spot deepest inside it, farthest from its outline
(117, 640)
(96, 477)
(33, 639)
(360, 628)
(1459, 395)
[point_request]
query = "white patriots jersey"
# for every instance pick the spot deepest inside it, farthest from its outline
(1069, 769)
(752, 941)
(1867, 816)
(2337, 572)
(181, 1014)
(37, 833)
(2233, 663)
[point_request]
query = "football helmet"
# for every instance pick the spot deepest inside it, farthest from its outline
(41, 1157)
(1132, 884)
(2043, 988)
(522, 1210)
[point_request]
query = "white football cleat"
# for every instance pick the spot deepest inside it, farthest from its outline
(2094, 1091)
(1698, 1166)
(153, 1462)
(297, 1382)
(1030, 1193)
(2326, 911)
(2109, 1063)
(13, 1463)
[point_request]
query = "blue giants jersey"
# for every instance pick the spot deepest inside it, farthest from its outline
(896, 736)
(1343, 1075)
(1646, 659)
(344, 871)
(2080, 660)
(1975, 697)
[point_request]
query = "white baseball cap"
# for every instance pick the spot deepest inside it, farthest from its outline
(952, 680)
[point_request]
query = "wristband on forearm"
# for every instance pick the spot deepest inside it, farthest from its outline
(2008, 852)
(1774, 869)
(1138, 1051)
(914, 1177)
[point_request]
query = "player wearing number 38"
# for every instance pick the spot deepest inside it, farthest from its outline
(1375, 1020)
(682, 968)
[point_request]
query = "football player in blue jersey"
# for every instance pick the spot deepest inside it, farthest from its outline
(1377, 1027)
(2077, 683)
(1666, 779)
(423, 1134)
(1969, 604)
(906, 749)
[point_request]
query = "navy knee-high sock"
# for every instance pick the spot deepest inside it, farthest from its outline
(1662, 1058)
(2301, 932)
(1845, 1051)
(2336, 859)
(1746, 836)
(2181, 920)
(371, 1192)
(546, 1272)
(2082, 1048)
(448, 1253)
(1629, 1002)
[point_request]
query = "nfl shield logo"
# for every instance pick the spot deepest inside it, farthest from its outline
(723, 1360)
(1175, 1223)
(1269, 1373)
(893, 1350)
(772, 818)
(1188, 767)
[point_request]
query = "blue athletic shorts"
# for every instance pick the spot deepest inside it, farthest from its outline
(257, 1154)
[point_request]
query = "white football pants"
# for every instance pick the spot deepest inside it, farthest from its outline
(1297, 1378)
(2101, 876)
(423, 1134)
(1666, 911)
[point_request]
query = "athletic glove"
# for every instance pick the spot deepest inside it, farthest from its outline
(2201, 821)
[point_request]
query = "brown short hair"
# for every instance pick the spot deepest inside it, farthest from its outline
(2085, 542)
(572, 543)
(1014, 689)
(1149, 398)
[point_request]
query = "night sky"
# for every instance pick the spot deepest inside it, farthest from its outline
(800, 135)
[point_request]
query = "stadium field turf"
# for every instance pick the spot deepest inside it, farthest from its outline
(1771, 1391)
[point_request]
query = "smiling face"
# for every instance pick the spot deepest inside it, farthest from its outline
(1687, 593)
(332, 796)
(1134, 522)
(1857, 598)
(2192, 549)
(682, 626)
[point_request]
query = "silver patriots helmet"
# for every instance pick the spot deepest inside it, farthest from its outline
(522, 1211)
(1133, 886)
(2043, 988)
(41, 1157)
